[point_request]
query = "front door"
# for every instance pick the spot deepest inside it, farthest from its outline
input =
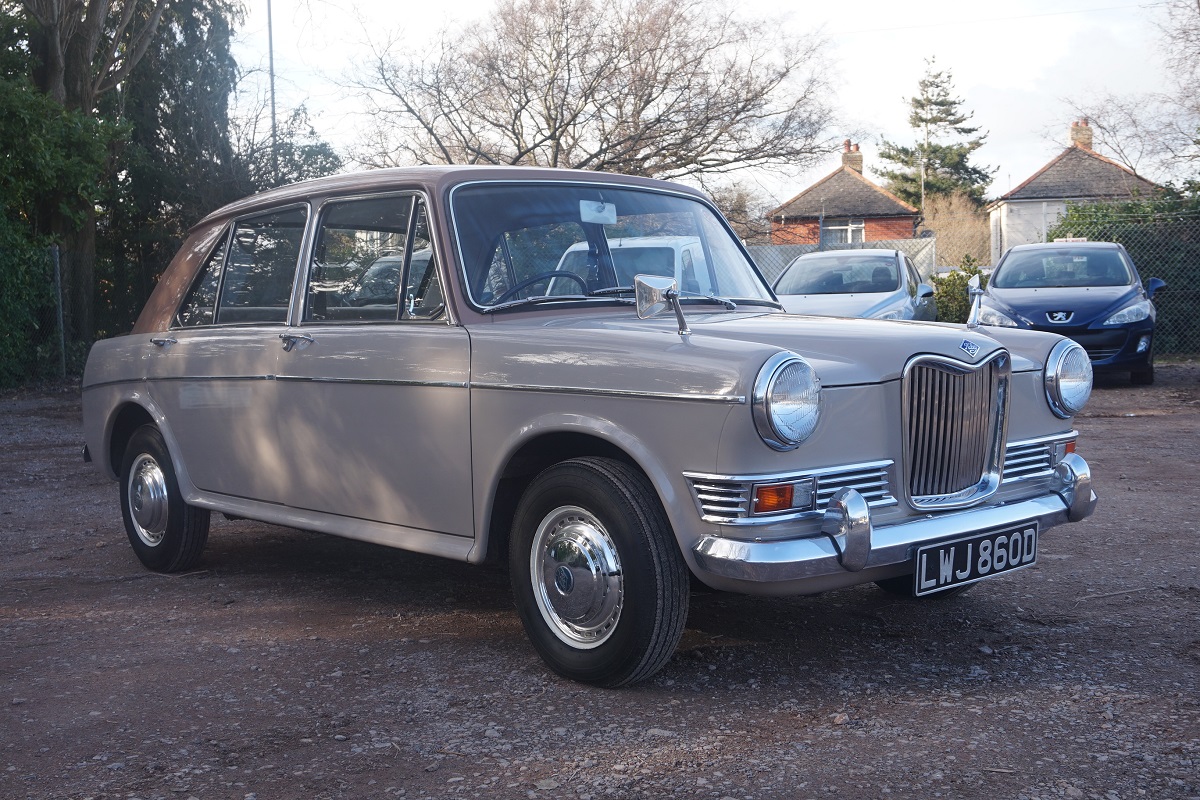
(373, 405)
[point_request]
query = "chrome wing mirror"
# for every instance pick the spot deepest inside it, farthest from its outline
(976, 294)
(655, 294)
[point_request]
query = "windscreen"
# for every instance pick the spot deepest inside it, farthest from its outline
(1060, 268)
(523, 240)
(841, 274)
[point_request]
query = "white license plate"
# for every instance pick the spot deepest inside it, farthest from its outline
(944, 565)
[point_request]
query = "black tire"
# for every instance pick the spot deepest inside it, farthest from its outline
(166, 534)
(1142, 377)
(607, 602)
(902, 586)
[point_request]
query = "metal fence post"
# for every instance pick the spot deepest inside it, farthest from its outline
(58, 307)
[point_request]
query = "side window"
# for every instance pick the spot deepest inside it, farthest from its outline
(423, 296)
(914, 277)
(261, 266)
(358, 260)
(201, 302)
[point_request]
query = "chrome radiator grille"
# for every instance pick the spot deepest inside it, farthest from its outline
(954, 423)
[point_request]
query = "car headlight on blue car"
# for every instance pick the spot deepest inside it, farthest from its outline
(1068, 379)
(1132, 313)
(990, 316)
(787, 401)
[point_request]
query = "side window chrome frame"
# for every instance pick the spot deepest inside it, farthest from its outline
(300, 288)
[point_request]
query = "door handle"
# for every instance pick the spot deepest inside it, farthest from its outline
(290, 340)
(163, 341)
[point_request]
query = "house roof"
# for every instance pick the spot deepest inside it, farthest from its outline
(844, 193)
(1078, 173)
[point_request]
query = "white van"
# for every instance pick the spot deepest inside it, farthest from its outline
(678, 257)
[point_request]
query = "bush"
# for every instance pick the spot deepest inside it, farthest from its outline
(26, 304)
(950, 292)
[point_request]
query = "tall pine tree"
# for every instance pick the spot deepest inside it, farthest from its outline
(939, 163)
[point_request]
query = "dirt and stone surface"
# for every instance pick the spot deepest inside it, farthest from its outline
(295, 665)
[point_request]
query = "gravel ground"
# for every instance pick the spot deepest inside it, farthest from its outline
(294, 665)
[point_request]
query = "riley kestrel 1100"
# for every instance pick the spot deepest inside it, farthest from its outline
(586, 376)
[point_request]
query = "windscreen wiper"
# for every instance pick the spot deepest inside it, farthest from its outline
(552, 298)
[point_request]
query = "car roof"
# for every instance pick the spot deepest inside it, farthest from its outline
(851, 251)
(433, 179)
(1067, 246)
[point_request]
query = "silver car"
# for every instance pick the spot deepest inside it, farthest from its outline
(878, 284)
(610, 442)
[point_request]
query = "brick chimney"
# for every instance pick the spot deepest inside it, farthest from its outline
(1081, 134)
(851, 157)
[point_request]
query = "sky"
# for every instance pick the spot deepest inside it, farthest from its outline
(1017, 65)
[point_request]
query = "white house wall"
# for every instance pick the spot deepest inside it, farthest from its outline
(1015, 222)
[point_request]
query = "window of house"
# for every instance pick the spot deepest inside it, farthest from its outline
(842, 231)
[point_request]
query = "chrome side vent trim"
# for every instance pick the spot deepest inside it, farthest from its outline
(726, 499)
(1035, 458)
(723, 500)
(955, 420)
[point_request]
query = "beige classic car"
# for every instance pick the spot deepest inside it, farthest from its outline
(451, 360)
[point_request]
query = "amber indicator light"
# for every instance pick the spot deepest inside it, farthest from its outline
(773, 498)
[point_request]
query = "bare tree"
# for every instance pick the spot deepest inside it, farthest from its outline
(961, 228)
(1157, 133)
(87, 49)
(1181, 35)
(745, 209)
(652, 87)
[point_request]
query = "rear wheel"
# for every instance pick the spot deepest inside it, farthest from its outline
(166, 534)
(599, 582)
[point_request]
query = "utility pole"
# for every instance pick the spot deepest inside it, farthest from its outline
(271, 72)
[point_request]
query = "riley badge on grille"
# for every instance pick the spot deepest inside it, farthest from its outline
(970, 348)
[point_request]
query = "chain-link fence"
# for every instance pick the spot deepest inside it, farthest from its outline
(1165, 246)
(772, 259)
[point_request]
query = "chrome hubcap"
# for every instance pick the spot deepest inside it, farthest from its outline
(576, 576)
(148, 499)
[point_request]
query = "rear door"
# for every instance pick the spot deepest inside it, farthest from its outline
(213, 373)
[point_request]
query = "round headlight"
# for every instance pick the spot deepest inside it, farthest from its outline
(1068, 379)
(787, 401)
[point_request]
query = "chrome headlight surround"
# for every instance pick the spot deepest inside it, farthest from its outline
(1068, 379)
(786, 403)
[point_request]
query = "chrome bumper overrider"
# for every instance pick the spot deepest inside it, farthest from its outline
(850, 543)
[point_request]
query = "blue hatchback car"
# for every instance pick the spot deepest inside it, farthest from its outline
(1087, 291)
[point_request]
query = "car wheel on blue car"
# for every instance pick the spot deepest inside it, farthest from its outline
(1143, 377)
(598, 579)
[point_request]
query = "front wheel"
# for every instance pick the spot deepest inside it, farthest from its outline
(599, 582)
(1143, 377)
(166, 534)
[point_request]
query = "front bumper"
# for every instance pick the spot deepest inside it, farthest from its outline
(851, 550)
(1127, 347)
